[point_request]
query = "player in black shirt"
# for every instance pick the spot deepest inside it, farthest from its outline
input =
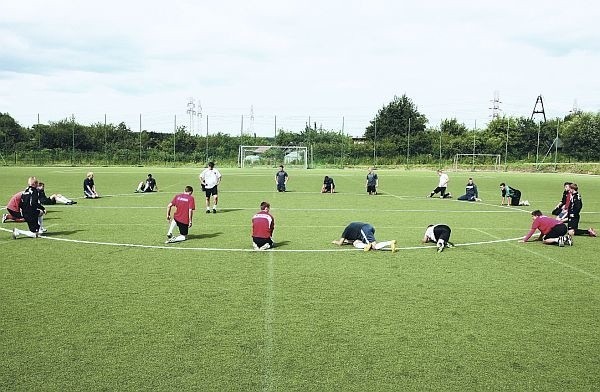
(32, 210)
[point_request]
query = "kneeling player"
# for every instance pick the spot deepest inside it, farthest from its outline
(440, 234)
(263, 225)
(552, 231)
(362, 236)
(185, 205)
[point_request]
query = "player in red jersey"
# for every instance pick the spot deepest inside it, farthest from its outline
(14, 211)
(185, 206)
(552, 231)
(263, 225)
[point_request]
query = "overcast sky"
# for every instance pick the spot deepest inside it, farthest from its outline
(337, 62)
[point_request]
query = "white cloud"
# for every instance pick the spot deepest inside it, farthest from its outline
(327, 60)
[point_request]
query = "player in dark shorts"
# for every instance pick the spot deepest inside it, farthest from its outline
(32, 211)
(552, 231)
(281, 179)
(328, 185)
(362, 236)
(440, 234)
(573, 214)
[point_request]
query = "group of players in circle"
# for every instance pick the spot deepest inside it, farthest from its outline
(558, 230)
(28, 206)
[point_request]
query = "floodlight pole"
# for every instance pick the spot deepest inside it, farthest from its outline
(207, 138)
(375, 141)
(174, 133)
(408, 143)
(140, 138)
(440, 161)
(556, 144)
(506, 144)
(73, 140)
(537, 151)
(473, 161)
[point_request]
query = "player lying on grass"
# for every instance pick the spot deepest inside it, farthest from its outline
(362, 236)
(440, 234)
(552, 231)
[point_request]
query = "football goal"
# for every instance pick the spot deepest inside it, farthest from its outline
(271, 156)
(481, 161)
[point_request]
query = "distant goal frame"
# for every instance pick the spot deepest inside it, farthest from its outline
(495, 161)
(282, 158)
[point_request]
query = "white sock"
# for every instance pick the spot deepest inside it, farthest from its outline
(172, 227)
(440, 243)
(179, 238)
(41, 221)
(62, 199)
(381, 245)
(26, 232)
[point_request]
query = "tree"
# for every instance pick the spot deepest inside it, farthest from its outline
(581, 136)
(392, 120)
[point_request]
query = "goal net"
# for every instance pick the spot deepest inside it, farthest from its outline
(270, 156)
(477, 161)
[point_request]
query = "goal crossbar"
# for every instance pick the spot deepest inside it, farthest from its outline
(479, 159)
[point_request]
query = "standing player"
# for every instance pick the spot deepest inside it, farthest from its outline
(442, 185)
(372, 182)
(89, 188)
(281, 179)
(362, 236)
(32, 211)
(14, 212)
(210, 178)
(573, 215)
(263, 225)
(185, 205)
(552, 231)
(440, 234)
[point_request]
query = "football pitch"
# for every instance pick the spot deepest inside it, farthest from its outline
(102, 303)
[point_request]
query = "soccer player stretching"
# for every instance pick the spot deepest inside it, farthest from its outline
(185, 206)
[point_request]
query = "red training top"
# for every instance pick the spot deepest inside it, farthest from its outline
(13, 204)
(263, 225)
(544, 224)
(184, 203)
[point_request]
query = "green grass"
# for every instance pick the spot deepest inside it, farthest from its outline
(92, 314)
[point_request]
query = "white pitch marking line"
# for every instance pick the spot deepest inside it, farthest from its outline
(584, 272)
(244, 249)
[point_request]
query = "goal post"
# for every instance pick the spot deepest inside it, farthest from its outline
(269, 156)
(484, 161)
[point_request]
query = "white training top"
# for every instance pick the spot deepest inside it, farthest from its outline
(429, 233)
(210, 177)
(443, 180)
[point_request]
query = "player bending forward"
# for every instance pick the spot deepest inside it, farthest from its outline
(362, 236)
(185, 206)
(440, 234)
(263, 225)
